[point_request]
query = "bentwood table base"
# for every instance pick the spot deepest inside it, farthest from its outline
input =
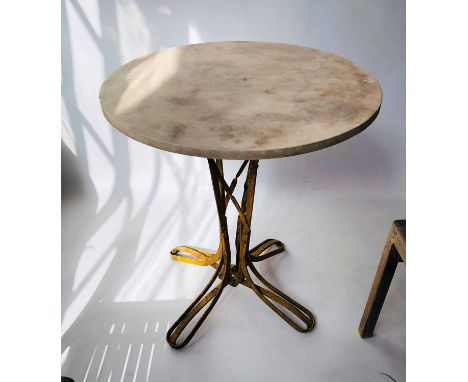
(239, 272)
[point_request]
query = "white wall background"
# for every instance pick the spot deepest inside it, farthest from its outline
(126, 205)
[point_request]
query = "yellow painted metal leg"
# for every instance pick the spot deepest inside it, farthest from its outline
(296, 315)
(196, 256)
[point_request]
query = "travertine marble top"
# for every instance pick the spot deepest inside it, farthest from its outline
(240, 100)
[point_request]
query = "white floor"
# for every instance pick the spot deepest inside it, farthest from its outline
(120, 290)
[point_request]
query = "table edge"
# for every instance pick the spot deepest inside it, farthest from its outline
(244, 154)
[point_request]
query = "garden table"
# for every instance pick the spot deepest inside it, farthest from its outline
(246, 101)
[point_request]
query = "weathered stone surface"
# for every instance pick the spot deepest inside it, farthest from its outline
(240, 100)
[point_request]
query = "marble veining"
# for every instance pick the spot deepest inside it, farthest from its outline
(240, 100)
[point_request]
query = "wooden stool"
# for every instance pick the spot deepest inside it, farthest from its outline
(394, 252)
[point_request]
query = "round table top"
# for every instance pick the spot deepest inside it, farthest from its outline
(240, 100)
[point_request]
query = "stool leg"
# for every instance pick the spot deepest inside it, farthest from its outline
(382, 280)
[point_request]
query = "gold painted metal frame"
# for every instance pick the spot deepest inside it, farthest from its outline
(237, 273)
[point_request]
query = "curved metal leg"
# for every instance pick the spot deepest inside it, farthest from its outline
(255, 253)
(223, 270)
(238, 273)
(196, 256)
(274, 294)
(247, 258)
(189, 314)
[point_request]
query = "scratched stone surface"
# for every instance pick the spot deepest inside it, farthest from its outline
(240, 100)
